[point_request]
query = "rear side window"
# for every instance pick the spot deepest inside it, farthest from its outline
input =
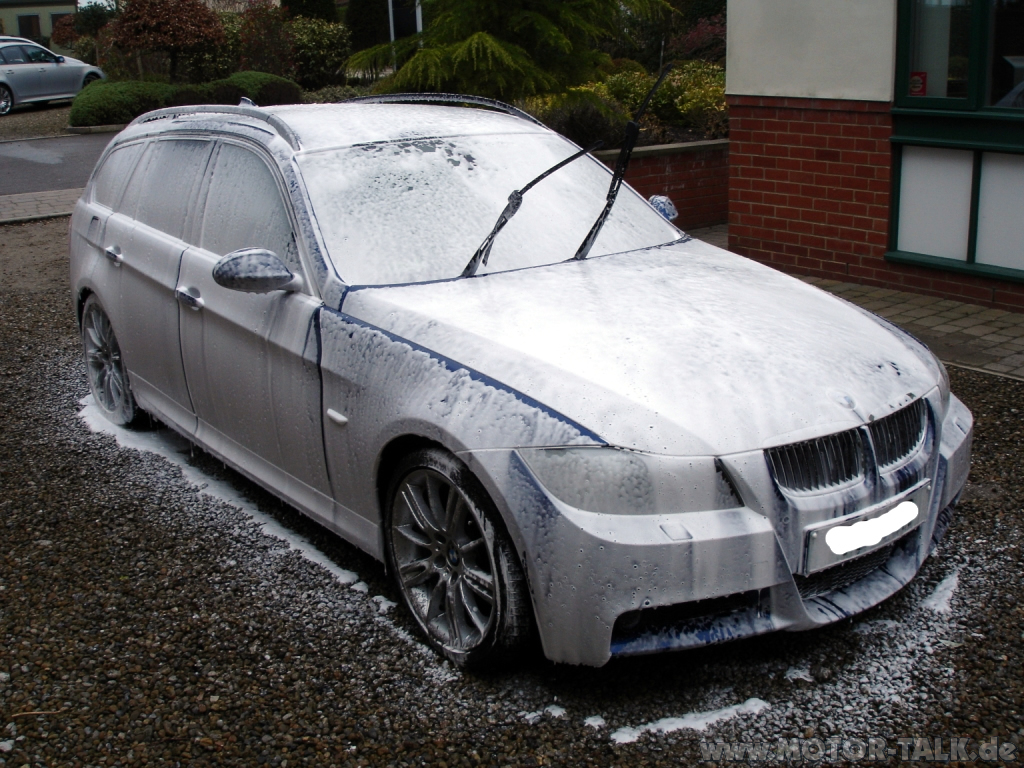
(164, 186)
(244, 208)
(13, 54)
(112, 176)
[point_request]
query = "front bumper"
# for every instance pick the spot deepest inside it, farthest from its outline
(607, 585)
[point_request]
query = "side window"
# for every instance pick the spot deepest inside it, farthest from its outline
(244, 208)
(112, 176)
(14, 55)
(38, 55)
(164, 187)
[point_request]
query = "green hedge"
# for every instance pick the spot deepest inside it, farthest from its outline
(114, 103)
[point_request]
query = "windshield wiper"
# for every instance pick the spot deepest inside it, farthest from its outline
(514, 201)
(632, 133)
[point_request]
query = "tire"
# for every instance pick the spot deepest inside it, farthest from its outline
(453, 562)
(6, 100)
(105, 369)
(90, 78)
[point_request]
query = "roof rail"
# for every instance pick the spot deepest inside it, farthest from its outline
(274, 121)
(444, 98)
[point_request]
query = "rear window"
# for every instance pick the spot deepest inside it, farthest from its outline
(111, 178)
(12, 54)
(417, 209)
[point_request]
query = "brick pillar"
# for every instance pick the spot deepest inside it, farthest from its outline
(809, 185)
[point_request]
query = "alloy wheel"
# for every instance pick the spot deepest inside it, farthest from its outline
(445, 563)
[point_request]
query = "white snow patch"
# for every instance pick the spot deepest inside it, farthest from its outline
(554, 710)
(697, 721)
(939, 599)
(799, 673)
(531, 717)
(170, 445)
(7, 746)
(360, 586)
(595, 721)
(383, 604)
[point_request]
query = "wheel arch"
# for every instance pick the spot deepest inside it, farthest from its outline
(83, 296)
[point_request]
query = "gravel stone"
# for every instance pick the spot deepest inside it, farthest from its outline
(144, 621)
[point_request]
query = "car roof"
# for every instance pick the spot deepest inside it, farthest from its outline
(4, 39)
(312, 127)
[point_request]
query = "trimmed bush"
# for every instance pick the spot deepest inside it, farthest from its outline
(321, 50)
(107, 103)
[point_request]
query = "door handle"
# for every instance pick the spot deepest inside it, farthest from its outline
(186, 298)
(113, 253)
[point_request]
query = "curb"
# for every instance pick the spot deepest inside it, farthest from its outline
(96, 128)
(38, 217)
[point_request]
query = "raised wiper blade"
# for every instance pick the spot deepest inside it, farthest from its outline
(512, 207)
(632, 133)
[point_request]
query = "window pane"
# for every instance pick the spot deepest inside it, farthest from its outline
(1007, 54)
(13, 54)
(168, 184)
(112, 176)
(28, 26)
(1001, 211)
(244, 208)
(939, 48)
(935, 201)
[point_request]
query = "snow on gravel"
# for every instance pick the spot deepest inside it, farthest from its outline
(939, 600)
(697, 721)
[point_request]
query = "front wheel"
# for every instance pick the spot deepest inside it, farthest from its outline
(105, 369)
(90, 78)
(6, 100)
(453, 561)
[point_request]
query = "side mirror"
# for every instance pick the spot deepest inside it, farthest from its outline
(255, 270)
(60, 59)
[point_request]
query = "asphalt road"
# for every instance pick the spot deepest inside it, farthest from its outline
(40, 165)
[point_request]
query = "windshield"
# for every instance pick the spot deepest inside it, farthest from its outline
(416, 210)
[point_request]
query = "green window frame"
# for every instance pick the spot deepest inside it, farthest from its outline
(952, 123)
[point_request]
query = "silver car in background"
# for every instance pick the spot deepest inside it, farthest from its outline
(661, 446)
(30, 73)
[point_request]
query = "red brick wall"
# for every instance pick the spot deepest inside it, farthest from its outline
(694, 176)
(809, 189)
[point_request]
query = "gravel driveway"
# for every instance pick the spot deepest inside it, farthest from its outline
(158, 609)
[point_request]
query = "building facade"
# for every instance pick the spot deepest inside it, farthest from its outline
(881, 142)
(33, 19)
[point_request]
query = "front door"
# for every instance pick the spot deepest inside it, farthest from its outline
(251, 359)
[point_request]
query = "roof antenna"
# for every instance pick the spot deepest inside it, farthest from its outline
(247, 102)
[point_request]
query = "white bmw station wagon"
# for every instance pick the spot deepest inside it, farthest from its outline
(442, 331)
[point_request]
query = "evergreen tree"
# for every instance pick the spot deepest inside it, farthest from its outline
(505, 49)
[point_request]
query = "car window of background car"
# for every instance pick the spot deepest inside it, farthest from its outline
(244, 208)
(164, 186)
(416, 210)
(112, 176)
(14, 55)
(38, 55)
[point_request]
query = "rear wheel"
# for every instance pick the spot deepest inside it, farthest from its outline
(453, 561)
(6, 100)
(105, 369)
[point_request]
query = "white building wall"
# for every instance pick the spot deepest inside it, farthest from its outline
(827, 49)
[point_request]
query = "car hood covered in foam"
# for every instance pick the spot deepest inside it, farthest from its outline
(685, 349)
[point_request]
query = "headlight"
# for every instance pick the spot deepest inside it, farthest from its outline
(615, 481)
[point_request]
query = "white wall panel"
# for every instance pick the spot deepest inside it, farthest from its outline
(827, 49)
(935, 201)
(1001, 211)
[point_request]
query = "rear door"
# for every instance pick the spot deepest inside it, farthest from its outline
(23, 76)
(99, 228)
(161, 195)
(251, 359)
